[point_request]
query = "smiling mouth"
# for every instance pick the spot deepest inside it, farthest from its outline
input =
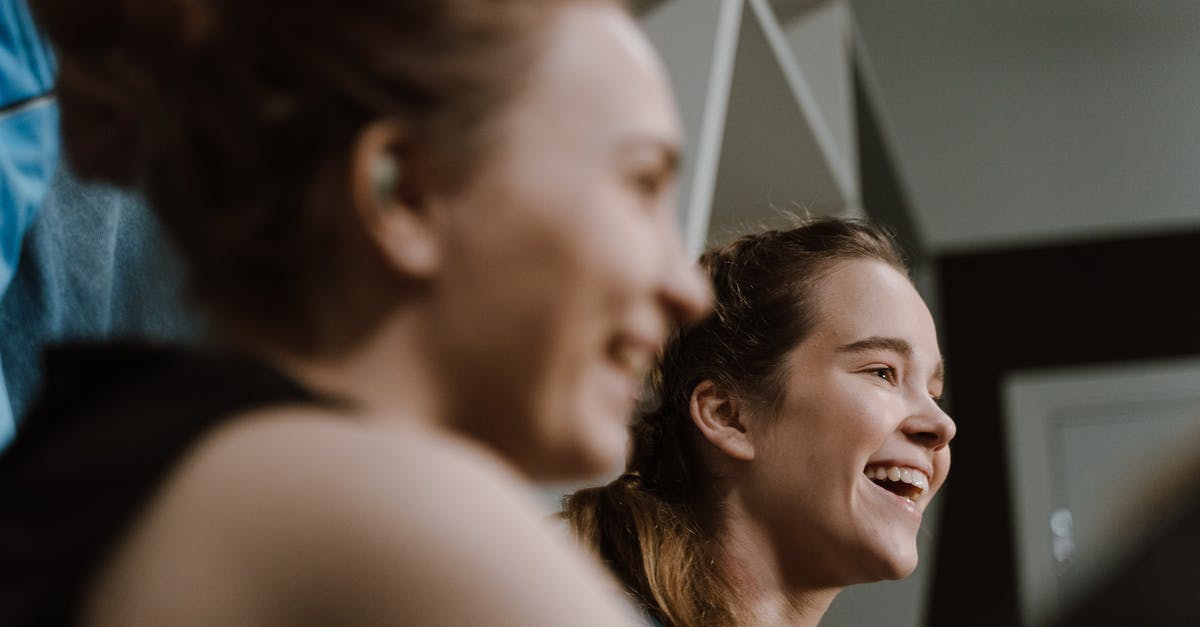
(906, 483)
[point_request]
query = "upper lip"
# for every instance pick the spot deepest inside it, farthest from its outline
(636, 352)
(647, 338)
(649, 342)
(923, 467)
(644, 328)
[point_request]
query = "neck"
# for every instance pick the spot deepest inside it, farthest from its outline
(753, 566)
(386, 378)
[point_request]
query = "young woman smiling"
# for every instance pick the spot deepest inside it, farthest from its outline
(438, 238)
(792, 440)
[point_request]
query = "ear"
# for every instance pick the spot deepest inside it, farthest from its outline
(388, 194)
(720, 418)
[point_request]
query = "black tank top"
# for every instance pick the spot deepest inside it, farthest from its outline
(111, 423)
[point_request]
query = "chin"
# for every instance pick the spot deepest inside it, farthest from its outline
(898, 565)
(590, 453)
(603, 441)
(603, 453)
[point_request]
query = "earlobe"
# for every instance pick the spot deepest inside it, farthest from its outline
(720, 418)
(391, 203)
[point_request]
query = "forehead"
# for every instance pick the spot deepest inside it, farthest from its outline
(864, 298)
(597, 74)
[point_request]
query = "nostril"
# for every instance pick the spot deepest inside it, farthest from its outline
(927, 438)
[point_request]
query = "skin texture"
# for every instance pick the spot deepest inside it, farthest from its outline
(579, 211)
(553, 274)
(557, 255)
(800, 520)
(297, 517)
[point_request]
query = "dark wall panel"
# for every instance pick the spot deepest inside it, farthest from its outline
(1006, 310)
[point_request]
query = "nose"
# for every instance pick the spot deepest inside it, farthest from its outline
(686, 293)
(930, 427)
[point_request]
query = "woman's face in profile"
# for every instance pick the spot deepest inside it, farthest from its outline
(565, 266)
(859, 446)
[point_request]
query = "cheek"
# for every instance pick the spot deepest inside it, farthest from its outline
(865, 421)
(625, 247)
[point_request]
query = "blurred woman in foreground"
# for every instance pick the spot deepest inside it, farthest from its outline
(438, 238)
(793, 438)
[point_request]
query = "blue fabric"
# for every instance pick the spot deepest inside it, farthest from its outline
(28, 156)
(26, 65)
(95, 265)
(28, 129)
(29, 144)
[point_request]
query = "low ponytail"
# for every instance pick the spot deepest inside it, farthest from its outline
(648, 526)
(657, 549)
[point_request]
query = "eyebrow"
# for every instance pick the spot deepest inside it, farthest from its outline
(894, 344)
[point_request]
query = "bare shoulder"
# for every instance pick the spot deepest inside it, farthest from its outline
(334, 518)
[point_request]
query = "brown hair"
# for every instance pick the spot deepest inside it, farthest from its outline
(652, 526)
(238, 120)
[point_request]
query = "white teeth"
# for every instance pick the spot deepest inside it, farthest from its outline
(895, 473)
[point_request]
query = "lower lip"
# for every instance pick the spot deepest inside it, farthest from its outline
(902, 503)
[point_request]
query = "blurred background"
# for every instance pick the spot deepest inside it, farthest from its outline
(1040, 162)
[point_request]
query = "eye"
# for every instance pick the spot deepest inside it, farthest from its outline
(887, 373)
(649, 184)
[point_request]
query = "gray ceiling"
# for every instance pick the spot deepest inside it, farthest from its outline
(1018, 122)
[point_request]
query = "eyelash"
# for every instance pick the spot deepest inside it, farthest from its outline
(889, 375)
(889, 371)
